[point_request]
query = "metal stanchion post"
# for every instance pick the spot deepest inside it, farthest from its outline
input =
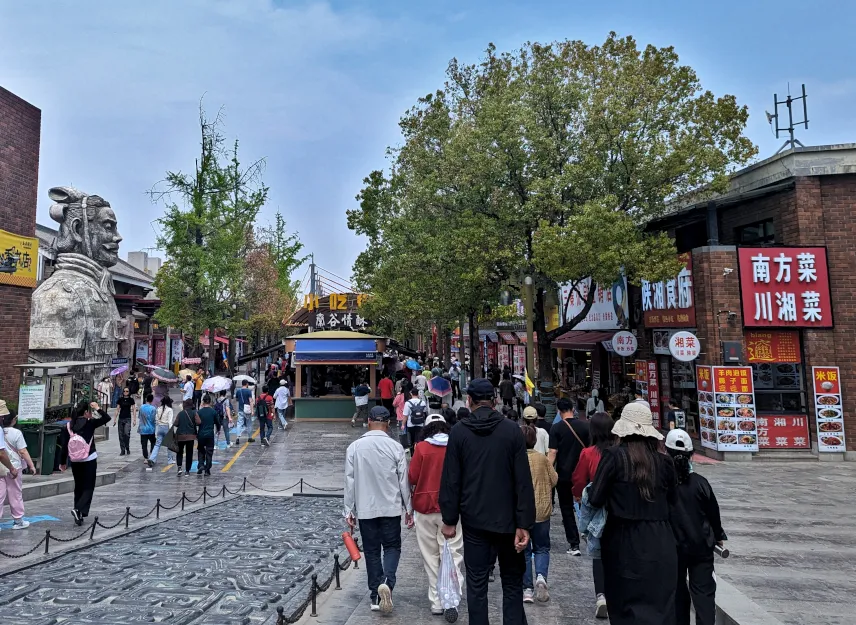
(183, 497)
(301, 485)
(127, 516)
(314, 595)
(157, 509)
(92, 533)
(336, 569)
(223, 494)
(47, 541)
(205, 495)
(244, 486)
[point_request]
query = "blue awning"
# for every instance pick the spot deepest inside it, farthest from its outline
(335, 350)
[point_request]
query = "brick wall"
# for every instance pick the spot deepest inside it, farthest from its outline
(20, 128)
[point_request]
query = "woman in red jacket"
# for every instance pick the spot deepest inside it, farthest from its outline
(426, 468)
(600, 432)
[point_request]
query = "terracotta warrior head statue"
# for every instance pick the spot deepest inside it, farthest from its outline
(87, 225)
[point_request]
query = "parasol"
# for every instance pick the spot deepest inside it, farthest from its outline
(164, 376)
(216, 384)
(413, 365)
(186, 372)
(119, 370)
(241, 378)
(519, 377)
(439, 386)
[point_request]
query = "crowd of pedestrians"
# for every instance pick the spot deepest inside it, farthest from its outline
(484, 489)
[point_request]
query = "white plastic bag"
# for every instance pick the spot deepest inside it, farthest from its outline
(448, 586)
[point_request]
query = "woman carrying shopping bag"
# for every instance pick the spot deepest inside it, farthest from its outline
(424, 474)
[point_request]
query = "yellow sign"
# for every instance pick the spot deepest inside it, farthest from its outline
(19, 257)
(334, 301)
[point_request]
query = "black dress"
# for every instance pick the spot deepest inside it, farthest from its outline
(638, 546)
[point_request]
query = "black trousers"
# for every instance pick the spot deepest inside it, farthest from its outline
(206, 454)
(124, 427)
(184, 450)
(387, 403)
(148, 443)
(414, 433)
(84, 485)
(597, 573)
(702, 589)
(456, 390)
(564, 489)
(481, 549)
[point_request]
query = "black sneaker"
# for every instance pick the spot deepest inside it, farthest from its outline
(207, 472)
(199, 472)
(237, 441)
(77, 518)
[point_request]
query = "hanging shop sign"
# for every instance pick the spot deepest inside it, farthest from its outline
(773, 346)
(624, 344)
(335, 320)
(783, 432)
(143, 351)
(785, 287)
(828, 408)
(334, 301)
(609, 310)
(661, 341)
(18, 259)
(727, 410)
(670, 304)
(648, 385)
(707, 416)
(684, 346)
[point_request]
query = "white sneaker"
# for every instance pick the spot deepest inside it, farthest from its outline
(600, 611)
(574, 551)
(528, 596)
(20, 524)
(541, 592)
(375, 607)
(385, 595)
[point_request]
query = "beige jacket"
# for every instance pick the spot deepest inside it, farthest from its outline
(544, 478)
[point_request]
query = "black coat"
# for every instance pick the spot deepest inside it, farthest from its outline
(486, 481)
(695, 518)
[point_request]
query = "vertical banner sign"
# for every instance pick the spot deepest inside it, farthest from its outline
(707, 415)
(491, 352)
(734, 405)
(642, 378)
(829, 409)
(654, 392)
(31, 403)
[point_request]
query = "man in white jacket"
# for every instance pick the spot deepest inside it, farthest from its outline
(376, 493)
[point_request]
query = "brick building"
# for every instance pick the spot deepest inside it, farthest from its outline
(766, 299)
(20, 128)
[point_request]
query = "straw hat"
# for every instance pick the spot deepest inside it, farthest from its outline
(636, 420)
(4, 410)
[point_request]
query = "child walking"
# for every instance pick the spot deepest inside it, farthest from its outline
(698, 529)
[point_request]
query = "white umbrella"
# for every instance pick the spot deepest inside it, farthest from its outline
(216, 384)
(519, 377)
(241, 378)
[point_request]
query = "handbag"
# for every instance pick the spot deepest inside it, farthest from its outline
(169, 441)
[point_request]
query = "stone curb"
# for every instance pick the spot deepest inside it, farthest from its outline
(62, 485)
(735, 608)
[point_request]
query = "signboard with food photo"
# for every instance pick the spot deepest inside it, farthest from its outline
(828, 408)
(734, 407)
(707, 414)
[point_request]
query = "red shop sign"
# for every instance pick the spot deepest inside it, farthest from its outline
(786, 287)
(773, 346)
(670, 304)
(783, 432)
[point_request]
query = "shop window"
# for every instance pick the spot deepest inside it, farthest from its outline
(761, 232)
(779, 388)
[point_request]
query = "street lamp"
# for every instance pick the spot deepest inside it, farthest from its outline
(530, 345)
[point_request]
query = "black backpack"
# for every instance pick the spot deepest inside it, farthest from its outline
(418, 413)
(262, 408)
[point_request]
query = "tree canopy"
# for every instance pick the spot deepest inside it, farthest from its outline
(547, 161)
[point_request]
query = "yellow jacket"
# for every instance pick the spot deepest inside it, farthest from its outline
(544, 478)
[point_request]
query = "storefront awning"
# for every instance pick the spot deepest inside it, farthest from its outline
(335, 351)
(508, 338)
(521, 336)
(581, 339)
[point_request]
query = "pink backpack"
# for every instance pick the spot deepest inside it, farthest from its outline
(78, 448)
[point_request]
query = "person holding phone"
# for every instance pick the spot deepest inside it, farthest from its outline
(86, 417)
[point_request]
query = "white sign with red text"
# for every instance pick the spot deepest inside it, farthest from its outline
(684, 346)
(624, 343)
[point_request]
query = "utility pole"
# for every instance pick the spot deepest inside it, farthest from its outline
(530, 339)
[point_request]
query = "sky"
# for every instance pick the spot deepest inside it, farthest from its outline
(316, 88)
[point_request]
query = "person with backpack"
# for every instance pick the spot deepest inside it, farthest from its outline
(78, 450)
(185, 435)
(223, 408)
(244, 398)
(264, 413)
(415, 411)
(209, 423)
(697, 525)
(361, 400)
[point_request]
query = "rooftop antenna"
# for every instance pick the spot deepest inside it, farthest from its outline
(791, 143)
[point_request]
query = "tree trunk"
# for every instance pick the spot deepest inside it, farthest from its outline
(475, 355)
(544, 370)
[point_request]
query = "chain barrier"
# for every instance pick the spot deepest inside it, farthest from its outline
(156, 509)
(325, 489)
(314, 590)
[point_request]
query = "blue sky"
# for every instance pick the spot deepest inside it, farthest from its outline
(317, 87)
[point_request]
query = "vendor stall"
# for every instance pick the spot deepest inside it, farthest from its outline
(327, 366)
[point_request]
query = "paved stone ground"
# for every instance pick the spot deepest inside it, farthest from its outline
(792, 530)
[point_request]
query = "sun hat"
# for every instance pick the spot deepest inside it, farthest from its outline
(636, 420)
(434, 418)
(4, 410)
(530, 413)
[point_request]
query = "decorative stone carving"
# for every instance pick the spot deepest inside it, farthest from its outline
(74, 315)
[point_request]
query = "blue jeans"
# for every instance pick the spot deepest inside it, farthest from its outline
(281, 414)
(382, 533)
(539, 544)
(265, 424)
(160, 432)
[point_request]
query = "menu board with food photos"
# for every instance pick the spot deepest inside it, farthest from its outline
(707, 415)
(734, 407)
(829, 409)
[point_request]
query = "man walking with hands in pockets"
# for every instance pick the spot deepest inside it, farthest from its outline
(376, 492)
(487, 484)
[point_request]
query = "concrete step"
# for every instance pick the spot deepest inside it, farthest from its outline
(769, 455)
(39, 487)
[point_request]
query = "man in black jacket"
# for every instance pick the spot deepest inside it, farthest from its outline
(486, 484)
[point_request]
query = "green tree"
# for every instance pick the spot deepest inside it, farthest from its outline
(205, 234)
(559, 155)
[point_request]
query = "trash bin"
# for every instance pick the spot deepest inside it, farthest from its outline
(49, 456)
(31, 437)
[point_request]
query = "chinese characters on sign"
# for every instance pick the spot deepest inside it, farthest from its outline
(828, 408)
(785, 287)
(773, 346)
(670, 304)
(31, 403)
(334, 301)
(608, 311)
(726, 401)
(684, 346)
(624, 344)
(783, 432)
(707, 419)
(647, 383)
(334, 320)
(18, 259)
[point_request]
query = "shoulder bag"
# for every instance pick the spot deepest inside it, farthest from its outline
(574, 432)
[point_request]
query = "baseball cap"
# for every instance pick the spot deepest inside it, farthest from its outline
(282, 382)
(434, 418)
(379, 413)
(529, 413)
(480, 389)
